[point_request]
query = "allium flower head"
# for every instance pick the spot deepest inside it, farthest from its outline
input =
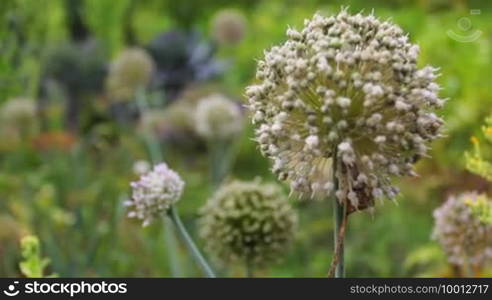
(132, 69)
(347, 85)
(217, 117)
(154, 193)
(248, 222)
(229, 26)
(465, 238)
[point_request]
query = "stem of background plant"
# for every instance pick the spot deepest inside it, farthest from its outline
(337, 268)
(154, 148)
(173, 215)
(220, 158)
(155, 154)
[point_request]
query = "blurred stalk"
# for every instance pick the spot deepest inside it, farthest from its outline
(128, 28)
(200, 260)
(153, 147)
(156, 156)
(221, 155)
(74, 14)
(73, 112)
(219, 161)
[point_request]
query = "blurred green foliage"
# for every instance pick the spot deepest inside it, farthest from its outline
(478, 162)
(33, 264)
(68, 190)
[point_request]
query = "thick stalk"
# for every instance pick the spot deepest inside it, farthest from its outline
(337, 268)
(338, 265)
(200, 260)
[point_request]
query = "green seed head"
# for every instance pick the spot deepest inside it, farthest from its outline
(249, 222)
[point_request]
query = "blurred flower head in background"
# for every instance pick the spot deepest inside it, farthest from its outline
(465, 238)
(345, 86)
(248, 222)
(176, 123)
(229, 27)
(183, 58)
(218, 118)
(154, 193)
(173, 125)
(76, 67)
(18, 113)
(18, 118)
(140, 167)
(132, 69)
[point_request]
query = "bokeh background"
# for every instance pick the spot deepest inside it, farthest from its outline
(65, 169)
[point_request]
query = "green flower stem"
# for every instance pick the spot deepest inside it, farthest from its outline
(156, 156)
(154, 149)
(200, 260)
(172, 246)
(219, 161)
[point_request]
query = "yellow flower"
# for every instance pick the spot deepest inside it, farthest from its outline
(488, 130)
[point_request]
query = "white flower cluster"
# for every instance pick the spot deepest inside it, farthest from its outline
(132, 69)
(229, 26)
(349, 86)
(248, 222)
(154, 193)
(464, 237)
(217, 117)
